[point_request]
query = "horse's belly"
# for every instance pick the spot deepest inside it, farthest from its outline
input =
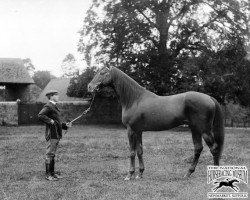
(156, 121)
(159, 124)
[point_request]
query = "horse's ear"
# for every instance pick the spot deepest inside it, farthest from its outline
(109, 67)
(106, 66)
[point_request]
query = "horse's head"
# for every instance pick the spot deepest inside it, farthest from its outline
(101, 79)
(232, 180)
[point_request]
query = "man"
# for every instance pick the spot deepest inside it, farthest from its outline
(50, 116)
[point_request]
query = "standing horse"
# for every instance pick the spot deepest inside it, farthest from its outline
(143, 110)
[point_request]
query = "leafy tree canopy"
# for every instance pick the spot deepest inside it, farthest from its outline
(78, 84)
(29, 66)
(42, 78)
(170, 46)
(69, 66)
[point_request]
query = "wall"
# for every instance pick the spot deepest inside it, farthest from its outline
(8, 113)
(2, 94)
(103, 111)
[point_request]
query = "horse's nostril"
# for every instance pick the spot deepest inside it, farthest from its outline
(89, 88)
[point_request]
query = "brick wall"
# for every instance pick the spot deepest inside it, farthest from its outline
(8, 113)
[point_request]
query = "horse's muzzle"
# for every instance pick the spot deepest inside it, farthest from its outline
(92, 88)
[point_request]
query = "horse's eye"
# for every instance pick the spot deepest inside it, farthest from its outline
(102, 72)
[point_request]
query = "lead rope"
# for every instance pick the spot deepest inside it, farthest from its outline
(83, 113)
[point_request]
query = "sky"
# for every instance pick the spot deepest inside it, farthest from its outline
(43, 30)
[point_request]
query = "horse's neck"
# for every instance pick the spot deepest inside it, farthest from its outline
(126, 88)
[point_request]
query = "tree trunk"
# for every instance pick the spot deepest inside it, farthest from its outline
(162, 15)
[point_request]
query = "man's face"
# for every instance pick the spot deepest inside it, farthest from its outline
(55, 98)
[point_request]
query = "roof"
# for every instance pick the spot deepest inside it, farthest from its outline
(61, 85)
(12, 70)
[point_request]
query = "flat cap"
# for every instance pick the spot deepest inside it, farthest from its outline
(51, 93)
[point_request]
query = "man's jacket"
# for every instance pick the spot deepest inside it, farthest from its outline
(48, 113)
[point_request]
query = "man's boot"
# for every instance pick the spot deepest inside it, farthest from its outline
(55, 174)
(47, 168)
(49, 172)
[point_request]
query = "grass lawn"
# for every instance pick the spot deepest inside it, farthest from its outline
(94, 161)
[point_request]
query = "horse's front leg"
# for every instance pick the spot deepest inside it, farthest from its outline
(237, 189)
(132, 148)
(139, 150)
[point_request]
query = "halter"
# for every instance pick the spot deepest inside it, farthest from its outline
(85, 111)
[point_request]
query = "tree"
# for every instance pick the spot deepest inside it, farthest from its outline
(236, 113)
(42, 78)
(69, 66)
(29, 66)
(156, 42)
(223, 73)
(78, 84)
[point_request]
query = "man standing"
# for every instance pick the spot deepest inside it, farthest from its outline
(50, 116)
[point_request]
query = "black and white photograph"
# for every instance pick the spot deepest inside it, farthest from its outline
(124, 99)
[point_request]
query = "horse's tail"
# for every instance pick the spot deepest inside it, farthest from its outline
(218, 126)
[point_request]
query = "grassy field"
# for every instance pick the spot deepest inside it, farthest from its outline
(94, 161)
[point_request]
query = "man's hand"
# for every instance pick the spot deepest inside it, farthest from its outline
(69, 124)
(52, 122)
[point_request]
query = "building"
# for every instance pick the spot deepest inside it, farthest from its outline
(15, 81)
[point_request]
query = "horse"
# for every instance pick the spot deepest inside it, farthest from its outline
(143, 110)
(227, 183)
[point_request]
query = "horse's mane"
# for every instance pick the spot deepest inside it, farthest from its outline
(127, 88)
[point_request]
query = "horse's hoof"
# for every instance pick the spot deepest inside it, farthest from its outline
(187, 175)
(139, 176)
(189, 159)
(129, 177)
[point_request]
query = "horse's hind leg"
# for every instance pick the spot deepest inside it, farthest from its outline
(139, 150)
(132, 148)
(198, 147)
(209, 139)
(215, 189)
